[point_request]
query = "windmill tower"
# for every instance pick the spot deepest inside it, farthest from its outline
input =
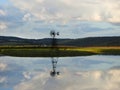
(54, 61)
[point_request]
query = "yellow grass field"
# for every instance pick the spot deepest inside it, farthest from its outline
(35, 51)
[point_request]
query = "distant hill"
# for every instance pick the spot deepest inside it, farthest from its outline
(82, 42)
(94, 41)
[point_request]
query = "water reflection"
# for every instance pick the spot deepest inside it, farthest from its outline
(54, 61)
(87, 80)
(79, 73)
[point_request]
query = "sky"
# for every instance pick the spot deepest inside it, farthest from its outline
(72, 18)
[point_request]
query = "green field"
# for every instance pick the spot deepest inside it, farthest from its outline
(36, 51)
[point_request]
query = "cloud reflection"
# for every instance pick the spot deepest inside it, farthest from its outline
(84, 80)
(3, 66)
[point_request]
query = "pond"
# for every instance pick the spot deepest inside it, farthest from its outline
(98, 72)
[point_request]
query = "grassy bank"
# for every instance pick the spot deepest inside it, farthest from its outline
(34, 51)
(102, 50)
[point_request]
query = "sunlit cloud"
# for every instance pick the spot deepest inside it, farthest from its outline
(84, 80)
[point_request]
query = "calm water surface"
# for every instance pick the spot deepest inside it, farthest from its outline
(76, 73)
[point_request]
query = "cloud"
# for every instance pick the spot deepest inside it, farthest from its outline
(3, 80)
(65, 16)
(3, 25)
(27, 75)
(27, 17)
(84, 80)
(63, 10)
(3, 66)
(116, 67)
(2, 13)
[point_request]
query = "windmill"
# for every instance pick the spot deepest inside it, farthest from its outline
(54, 61)
(53, 35)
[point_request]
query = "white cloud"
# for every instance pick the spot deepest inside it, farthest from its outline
(2, 26)
(87, 80)
(27, 17)
(3, 66)
(2, 79)
(52, 10)
(2, 13)
(27, 75)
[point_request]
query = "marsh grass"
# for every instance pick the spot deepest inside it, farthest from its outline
(43, 53)
(30, 51)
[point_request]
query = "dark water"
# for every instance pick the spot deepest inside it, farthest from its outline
(76, 73)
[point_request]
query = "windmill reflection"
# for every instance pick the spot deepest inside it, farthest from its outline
(54, 65)
(54, 50)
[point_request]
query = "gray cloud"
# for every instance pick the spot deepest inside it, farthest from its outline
(116, 67)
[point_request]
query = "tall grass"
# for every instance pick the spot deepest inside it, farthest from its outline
(32, 51)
